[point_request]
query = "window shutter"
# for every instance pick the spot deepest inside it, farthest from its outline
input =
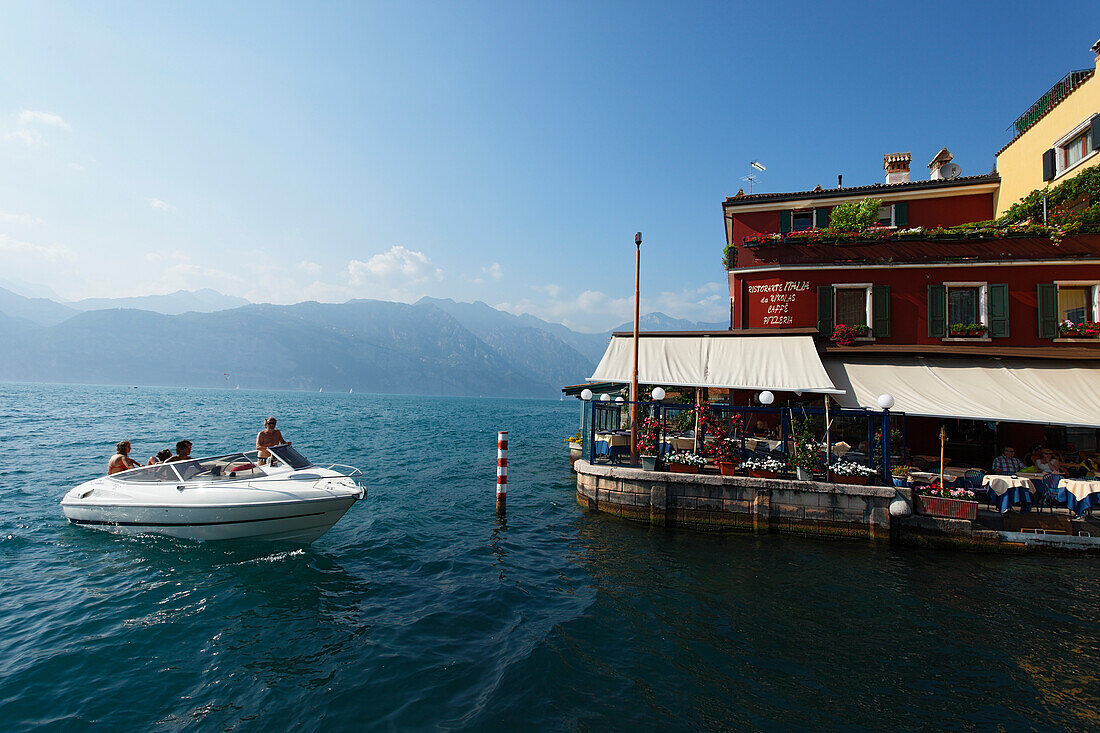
(825, 310)
(784, 222)
(1048, 310)
(1096, 132)
(880, 311)
(901, 214)
(821, 216)
(937, 310)
(1048, 165)
(998, 311)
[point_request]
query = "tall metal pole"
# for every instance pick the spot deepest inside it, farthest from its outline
(634, 374)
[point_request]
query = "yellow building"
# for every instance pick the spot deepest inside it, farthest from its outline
(1057, 138)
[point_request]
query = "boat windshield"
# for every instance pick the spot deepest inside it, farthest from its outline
(289, 456)
(231, 466)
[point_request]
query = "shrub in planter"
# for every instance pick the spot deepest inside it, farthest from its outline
(685, 462)
(900, 474)
(1085, 330)
(767, 467)
(849, 472)
(940, 501)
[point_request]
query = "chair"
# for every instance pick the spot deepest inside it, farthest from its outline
(920, 464)
(972, 479)
(1049, 497)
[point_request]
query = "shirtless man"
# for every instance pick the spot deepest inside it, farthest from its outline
(266, 438)
(121, 460)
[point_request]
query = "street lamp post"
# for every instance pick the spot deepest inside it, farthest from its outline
(634, 374)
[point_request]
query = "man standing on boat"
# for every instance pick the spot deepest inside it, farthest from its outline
(266, 438)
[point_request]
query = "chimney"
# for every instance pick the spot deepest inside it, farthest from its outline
(936, 166)
(897, 167)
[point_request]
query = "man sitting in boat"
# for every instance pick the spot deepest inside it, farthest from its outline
(121, 460)
(267, 438)
(183, 451)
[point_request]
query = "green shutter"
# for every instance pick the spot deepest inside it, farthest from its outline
(937, 311)
(1048, 310)
(901, 214)
(998, 311)
(880, 311)
(821, 217)
(784, 222)
(825, 310)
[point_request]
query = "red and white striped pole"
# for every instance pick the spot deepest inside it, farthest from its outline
(502, 470)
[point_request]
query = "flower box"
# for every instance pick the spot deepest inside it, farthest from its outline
(853, 480)
(939, 506)
(727, 469)
(682, 468)
(757, 473)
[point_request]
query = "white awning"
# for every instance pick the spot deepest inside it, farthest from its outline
(781, 363)
(1046, 391)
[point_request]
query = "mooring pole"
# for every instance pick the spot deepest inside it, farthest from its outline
(634, 373)
(502, 470)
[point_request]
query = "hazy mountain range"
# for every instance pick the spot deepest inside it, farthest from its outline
(433, 346)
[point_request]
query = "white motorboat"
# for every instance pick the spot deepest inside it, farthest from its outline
(235, 496)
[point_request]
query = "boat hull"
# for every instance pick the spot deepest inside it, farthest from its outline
(297, 521)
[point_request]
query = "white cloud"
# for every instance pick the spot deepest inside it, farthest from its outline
(398, 270)
(53, 253)
(31, 117)
(494, 271)
(8, 218)
(160, 205)
(592, 310)
(309, 267)
(29, 125)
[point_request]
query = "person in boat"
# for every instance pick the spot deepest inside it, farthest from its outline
(267, 438)
(183, 452)
(160, 457)
(121, 460)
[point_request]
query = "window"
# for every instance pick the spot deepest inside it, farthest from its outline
(802, 220)
(894, 215)
(851, 306)
(886, 215)
(1074, 303)
(862, 306)
(1078, 145)
(1076, 149)
(963, 305)
(968, 310)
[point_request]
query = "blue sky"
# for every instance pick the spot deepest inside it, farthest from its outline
(504, 152)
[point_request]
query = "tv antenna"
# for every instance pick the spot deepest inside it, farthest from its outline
(754, 166)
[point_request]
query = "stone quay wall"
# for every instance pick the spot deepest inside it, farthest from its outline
(706, 501)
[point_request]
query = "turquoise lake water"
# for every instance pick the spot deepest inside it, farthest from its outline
(420, 610)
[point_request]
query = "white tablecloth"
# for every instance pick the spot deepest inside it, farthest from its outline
(1000, 484)
(1080, 489)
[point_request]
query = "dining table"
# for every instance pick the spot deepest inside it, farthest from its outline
(1080, 495)
(1004, 491)
(612, 443)
(762, 444)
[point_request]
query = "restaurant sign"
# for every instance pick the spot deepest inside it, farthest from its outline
(778, 303)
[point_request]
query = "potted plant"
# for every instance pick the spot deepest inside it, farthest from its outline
(685, 462)
(940, 501)
(844, 335)
(900, 475)
(975, 330)
(575, 443)
(804, 455)
(849, 472)
(647, 444)
(765, 467)
(956, 330)
(725, 452)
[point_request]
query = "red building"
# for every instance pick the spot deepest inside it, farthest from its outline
(988, 307)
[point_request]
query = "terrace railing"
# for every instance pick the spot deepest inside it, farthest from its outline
(1048, 101)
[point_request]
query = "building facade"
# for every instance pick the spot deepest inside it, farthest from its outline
(1056, 138)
